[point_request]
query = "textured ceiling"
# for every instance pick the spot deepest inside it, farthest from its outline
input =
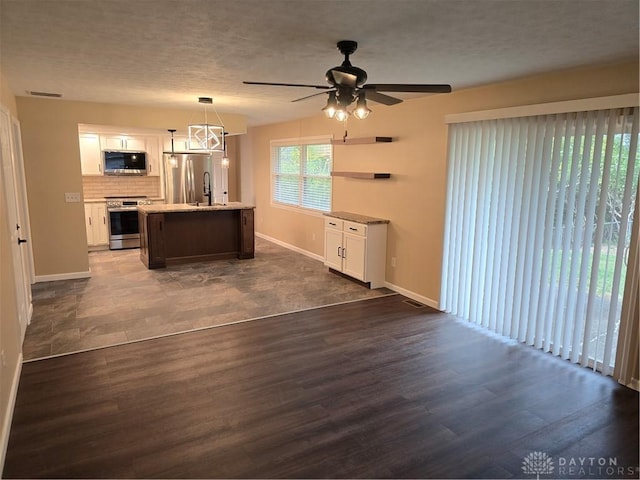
(167, 53)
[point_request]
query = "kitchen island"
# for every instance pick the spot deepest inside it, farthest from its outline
(172, 234)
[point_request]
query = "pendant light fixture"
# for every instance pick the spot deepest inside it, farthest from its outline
(173, 160)
(206, 137)
(225, 158)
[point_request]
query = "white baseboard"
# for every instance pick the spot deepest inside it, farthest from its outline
(6, 425)
(320, 258)
(63, 276)
(414, 296)
(402, 291)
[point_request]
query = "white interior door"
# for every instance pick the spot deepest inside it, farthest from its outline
(19, 252)
(23, 207)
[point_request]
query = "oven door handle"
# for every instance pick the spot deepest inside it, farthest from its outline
(123, 209)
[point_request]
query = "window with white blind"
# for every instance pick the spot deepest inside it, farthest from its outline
(301, 173)
(538, 227)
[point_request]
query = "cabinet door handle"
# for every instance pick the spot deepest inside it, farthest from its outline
(90, 221)
(354, 229)
(344, 253)
(332, 224)
(100, 168)
(339, 252)
(149, 167)
(104, 220)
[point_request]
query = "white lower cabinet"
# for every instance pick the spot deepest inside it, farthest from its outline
(356, 249)
(95, 215)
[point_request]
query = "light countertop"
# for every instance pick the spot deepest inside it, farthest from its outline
(183, 207)
(356, 217)
(104, 200)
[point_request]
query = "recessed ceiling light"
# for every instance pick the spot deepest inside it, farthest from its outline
(43, 94)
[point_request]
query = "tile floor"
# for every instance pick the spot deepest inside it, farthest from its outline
(124, 302)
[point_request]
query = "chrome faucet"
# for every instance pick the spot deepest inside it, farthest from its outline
(206, 181)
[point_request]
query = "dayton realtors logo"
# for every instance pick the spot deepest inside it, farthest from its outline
(537, 463)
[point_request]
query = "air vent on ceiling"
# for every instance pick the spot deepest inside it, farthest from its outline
(44, 94)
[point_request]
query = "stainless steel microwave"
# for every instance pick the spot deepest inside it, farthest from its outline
(125, 163)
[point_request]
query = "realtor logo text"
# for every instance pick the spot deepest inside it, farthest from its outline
(598, 466)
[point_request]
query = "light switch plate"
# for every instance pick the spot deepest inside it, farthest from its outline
(72, 197)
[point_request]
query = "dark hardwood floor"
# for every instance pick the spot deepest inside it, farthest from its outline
(371, 389)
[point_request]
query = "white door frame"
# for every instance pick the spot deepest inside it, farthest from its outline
(17, 216)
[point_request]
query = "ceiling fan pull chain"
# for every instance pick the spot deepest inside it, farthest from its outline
(344, 139)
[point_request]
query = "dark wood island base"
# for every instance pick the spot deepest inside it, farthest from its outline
(176, 234)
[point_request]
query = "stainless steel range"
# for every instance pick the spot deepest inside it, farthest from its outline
(123, 221)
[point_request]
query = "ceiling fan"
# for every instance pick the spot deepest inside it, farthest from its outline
(347, 84)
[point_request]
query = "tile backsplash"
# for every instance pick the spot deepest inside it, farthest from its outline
(108, 186)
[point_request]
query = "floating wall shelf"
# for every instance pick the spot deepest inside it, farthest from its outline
(365, 175)
(361, 140)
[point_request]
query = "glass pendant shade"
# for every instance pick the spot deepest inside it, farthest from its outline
(330, 109)
(341, 114)
(362, 111)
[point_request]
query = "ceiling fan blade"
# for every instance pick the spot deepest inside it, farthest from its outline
(401, 87)
(309, 96)
(323, 87)
(381, 98)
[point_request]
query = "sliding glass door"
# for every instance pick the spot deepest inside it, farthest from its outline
(538, 227)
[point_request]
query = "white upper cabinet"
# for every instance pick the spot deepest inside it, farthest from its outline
(123, 142)
(154, 156)
(90, 155)
(180, 143)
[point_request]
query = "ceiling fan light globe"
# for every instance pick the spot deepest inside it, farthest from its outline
(362, 112)
(330, 112)
(330, 109)
(342, 114)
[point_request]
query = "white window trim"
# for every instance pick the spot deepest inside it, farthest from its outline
(286, 142)
(581, 105)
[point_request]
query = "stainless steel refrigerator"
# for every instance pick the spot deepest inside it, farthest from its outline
(189, 176)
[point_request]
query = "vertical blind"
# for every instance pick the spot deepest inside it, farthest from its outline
(538, 224)
(301, 174)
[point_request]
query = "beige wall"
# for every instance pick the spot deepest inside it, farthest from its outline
(9, 328)
(414, 198)
(52, 166)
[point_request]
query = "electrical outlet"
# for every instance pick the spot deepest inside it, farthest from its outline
(72, 197)
(393, 262)
(2, 359)
(313, 237)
